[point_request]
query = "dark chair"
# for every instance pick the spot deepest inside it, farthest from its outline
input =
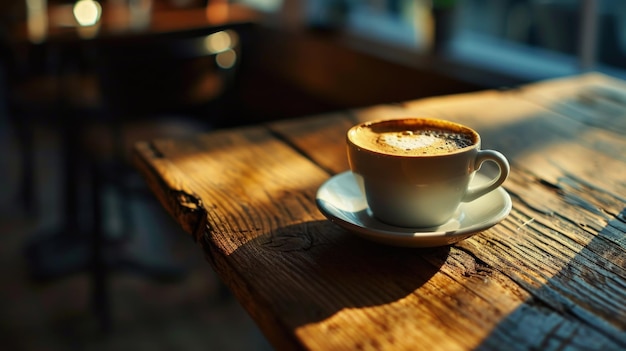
(113, 92)
(163, 86)
(44, 89)
(48, 87)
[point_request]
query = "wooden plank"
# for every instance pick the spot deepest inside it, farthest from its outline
(559, 252)
(251, 188)
(323, 276)
(551, 275)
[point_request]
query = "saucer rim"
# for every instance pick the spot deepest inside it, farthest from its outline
(414, 237)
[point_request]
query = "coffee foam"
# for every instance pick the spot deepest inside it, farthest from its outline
(413, 140)
(422, 142)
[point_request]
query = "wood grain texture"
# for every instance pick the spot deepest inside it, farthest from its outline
(551, 276)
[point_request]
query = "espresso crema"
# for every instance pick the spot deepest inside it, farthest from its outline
(424, 140)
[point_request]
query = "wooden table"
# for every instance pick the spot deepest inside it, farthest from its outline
(551, 275)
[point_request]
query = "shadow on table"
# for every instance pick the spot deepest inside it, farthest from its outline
(334, 267)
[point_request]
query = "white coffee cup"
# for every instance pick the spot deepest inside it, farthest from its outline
(415, 172)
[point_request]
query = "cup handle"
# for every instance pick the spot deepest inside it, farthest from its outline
(504, 169)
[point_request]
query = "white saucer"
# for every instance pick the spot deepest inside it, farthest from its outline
(341, 201)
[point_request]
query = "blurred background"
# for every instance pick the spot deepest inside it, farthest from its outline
(90, 260)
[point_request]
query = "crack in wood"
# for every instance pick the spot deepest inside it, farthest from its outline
(621, 216)
(478, 261)
(289, 241)
(298, 149)
(186, 205)
(188, 201)
(550, 185)
(155, 152)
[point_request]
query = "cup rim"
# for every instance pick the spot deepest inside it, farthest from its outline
(432, 121)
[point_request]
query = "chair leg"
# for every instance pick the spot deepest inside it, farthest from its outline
(70, 131)
(26, 190)
(99, 269)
